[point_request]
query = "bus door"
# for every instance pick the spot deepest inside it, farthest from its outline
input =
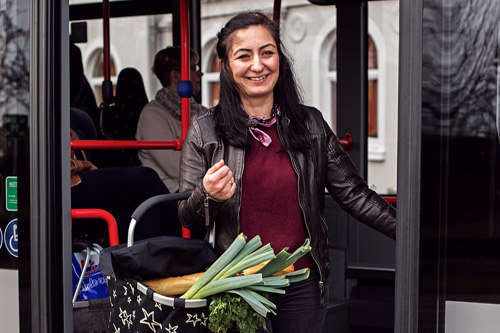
(449, 263)
(14, 153)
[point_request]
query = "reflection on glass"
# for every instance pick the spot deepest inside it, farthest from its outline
(460, 222)
(14, 69)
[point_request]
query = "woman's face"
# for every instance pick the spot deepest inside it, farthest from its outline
(254, 62)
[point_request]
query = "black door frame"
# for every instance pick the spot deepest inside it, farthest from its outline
(409, 160)
(45, 276)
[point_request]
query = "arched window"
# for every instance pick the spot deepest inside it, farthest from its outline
(372, 90)
(372, 86)
(211, 80)
(97, 73)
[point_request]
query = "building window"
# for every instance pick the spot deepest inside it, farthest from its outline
(97, 74)
(210, 81)
(373, 130)
(372, 90)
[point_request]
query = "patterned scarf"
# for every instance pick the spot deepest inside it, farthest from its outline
(257, 133)
(172, 101)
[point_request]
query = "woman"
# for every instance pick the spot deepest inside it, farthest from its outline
(160, 119)
(259, 162)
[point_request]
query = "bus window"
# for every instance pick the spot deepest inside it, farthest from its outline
(96, 61)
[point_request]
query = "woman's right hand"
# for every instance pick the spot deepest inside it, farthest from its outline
(219, 182)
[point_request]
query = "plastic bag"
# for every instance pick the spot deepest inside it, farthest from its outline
(94, 284)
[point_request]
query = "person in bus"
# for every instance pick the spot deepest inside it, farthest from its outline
(129, 100)
(258, 163)
(81, 94)
(160, 119)
(119, 191)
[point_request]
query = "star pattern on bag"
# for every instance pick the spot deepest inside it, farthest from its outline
(132, 289)
(203, 320)
(129, 300)
(117, 329)
(193, 319)
(171, 329)
(158, 305)
(125, 290)
(125, 317)
(139, 299)
(114, 293)
(149, 319)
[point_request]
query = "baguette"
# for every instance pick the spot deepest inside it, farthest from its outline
(173, 286)
(256, 268)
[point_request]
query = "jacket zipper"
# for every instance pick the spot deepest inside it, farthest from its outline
(240, 189)
(321, 284)
(207, 209)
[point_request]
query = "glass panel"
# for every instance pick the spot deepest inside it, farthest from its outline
(14, 151)
(460, 194)
(383, 51)
(14, 108)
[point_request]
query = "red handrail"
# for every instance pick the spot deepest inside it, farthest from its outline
(347, 142)
(93, 213)
(126, 144)
(391, 200)
(174, 144)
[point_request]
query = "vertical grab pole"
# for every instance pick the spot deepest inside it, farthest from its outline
(185, 87)
(107, 86)
(277, 12)
(105, 32)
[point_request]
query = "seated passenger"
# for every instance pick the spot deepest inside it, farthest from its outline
(129, 101)
(119, 191)
(81, 94)
(161, 118)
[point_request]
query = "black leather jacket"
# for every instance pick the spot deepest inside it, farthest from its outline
(325, 165)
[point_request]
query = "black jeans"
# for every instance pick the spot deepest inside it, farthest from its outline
(298, 310)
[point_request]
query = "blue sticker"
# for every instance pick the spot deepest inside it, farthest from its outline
(11, 237)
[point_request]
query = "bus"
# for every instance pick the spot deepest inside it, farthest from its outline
(410, 87)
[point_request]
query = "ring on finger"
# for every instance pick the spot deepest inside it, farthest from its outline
(230, 182)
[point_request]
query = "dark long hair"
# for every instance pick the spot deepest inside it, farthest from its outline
(231, 120)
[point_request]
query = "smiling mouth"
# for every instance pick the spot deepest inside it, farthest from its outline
(258, 78)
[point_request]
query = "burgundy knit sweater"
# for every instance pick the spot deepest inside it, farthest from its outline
(269, 201)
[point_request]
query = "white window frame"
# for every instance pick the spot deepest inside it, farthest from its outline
(323, 78)
(208, 76)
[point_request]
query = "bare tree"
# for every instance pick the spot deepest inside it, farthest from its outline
(14, 59)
